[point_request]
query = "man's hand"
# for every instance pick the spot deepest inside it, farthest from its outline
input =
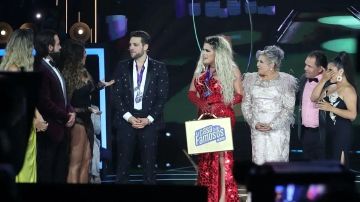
(144, 121)
(71, 120)
(139, 123)
(135, 122)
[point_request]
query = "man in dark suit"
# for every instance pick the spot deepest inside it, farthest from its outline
(311, 120)
(140, 94)
(52, 144)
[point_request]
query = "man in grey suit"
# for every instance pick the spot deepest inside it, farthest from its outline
(140, 94)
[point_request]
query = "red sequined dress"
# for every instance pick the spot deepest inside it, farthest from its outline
(208, 163)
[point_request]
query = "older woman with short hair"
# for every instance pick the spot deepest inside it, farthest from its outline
(268, 107)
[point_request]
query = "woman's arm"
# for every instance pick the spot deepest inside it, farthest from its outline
(195, 99)
(238, 88)
(350, 101)
(316, 95)
(39, 123)
(285, 117)
(246, 105)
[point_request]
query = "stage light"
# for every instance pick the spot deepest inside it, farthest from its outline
(168, 134)
(345, 20)
(5, 32)
(80, 31)
(38, 15)
(117, 26)
(342, 44)
(168, 165)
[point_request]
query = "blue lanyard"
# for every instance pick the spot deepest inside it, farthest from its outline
(140, 76)
(208, 76)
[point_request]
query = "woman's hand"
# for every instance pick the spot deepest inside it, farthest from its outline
(328, 74)
(263, 127)
(94, 110)
(107, 83)
(40, 125)
(324, 105)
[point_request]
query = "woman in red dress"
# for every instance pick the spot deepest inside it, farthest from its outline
(215, 88)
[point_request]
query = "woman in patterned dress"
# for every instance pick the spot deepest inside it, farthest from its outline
(268, 107)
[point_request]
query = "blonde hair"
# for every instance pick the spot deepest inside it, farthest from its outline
(18, 51)
(224, 65)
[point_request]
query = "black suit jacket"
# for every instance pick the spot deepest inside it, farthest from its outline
(154, 96)
(51, 104)
(322, 114)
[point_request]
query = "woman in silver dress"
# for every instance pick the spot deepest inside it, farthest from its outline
(268, 107)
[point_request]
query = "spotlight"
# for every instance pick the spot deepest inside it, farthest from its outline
(5, 32)
(80, 31)
(168, 134)
(38, 15)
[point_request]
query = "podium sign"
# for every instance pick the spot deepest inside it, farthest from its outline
(210, 135)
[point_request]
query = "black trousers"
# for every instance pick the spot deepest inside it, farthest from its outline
(126, 143)
(313, 147)
(52, 159)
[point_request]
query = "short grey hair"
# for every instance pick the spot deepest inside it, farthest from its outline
(274, 53)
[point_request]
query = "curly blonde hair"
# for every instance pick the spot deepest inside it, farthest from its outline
(18, 51)
(224, 65)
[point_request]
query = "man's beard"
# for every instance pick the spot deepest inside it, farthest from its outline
(55, 57)
(138, 55)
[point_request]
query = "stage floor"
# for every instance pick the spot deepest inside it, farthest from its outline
(184, 176)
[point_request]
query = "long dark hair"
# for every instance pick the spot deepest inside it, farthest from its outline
(74, 71)
(343, 61)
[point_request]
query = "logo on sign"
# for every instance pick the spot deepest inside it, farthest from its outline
(208, 134)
